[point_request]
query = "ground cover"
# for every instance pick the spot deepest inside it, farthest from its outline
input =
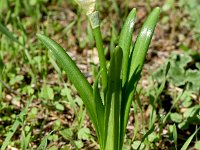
(28, 74)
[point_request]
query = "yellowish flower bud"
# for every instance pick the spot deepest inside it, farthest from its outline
(87, 5)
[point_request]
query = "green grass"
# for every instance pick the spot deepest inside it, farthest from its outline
(165, 113)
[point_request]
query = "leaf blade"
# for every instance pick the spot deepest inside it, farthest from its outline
(143, 41)
(125, 42)
(74, 74)
(136, 63)
(186, 144)
(113, 101)
(99, 110)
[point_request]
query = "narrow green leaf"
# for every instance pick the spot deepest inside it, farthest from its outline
(125, 40)
(5, 31)
(11, 36)
(25, 140)
(142, 43)
(114, 38)
(139, 53)
(74, 74)
(1, 67)
(113, 101)
(146, 135)
(99, 110)
(43, 144)
(175, 135)
(138, 145)
(189, 140)
(164, 119)
(162, 86)
(136, 63)
(167, 68)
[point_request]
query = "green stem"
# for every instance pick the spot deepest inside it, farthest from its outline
(95, 24)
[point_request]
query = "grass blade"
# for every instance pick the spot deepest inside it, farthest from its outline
(11, 36)
(1, 67)
(15, 126)
(175, 135)
(5, 31)
(146, 135)
(25, 140)
(187, 143)
(43, 144)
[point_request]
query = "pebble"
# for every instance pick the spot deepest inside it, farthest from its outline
(8, 97)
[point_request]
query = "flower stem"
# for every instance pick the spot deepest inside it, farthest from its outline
(95, 24)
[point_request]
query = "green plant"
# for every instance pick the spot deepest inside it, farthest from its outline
(184, 71)
(19, 121)
(12, 37)
(175, 89)
(109, 111)
(192, 8)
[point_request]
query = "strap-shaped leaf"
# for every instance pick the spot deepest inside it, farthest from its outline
(99, 110)
(136, 62)
(74, 74)
(125, 40)
(142, 43)
(113, 101)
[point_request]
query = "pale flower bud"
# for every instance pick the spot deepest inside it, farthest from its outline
(87, 5)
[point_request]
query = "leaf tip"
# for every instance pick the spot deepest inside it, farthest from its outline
(157, 9)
